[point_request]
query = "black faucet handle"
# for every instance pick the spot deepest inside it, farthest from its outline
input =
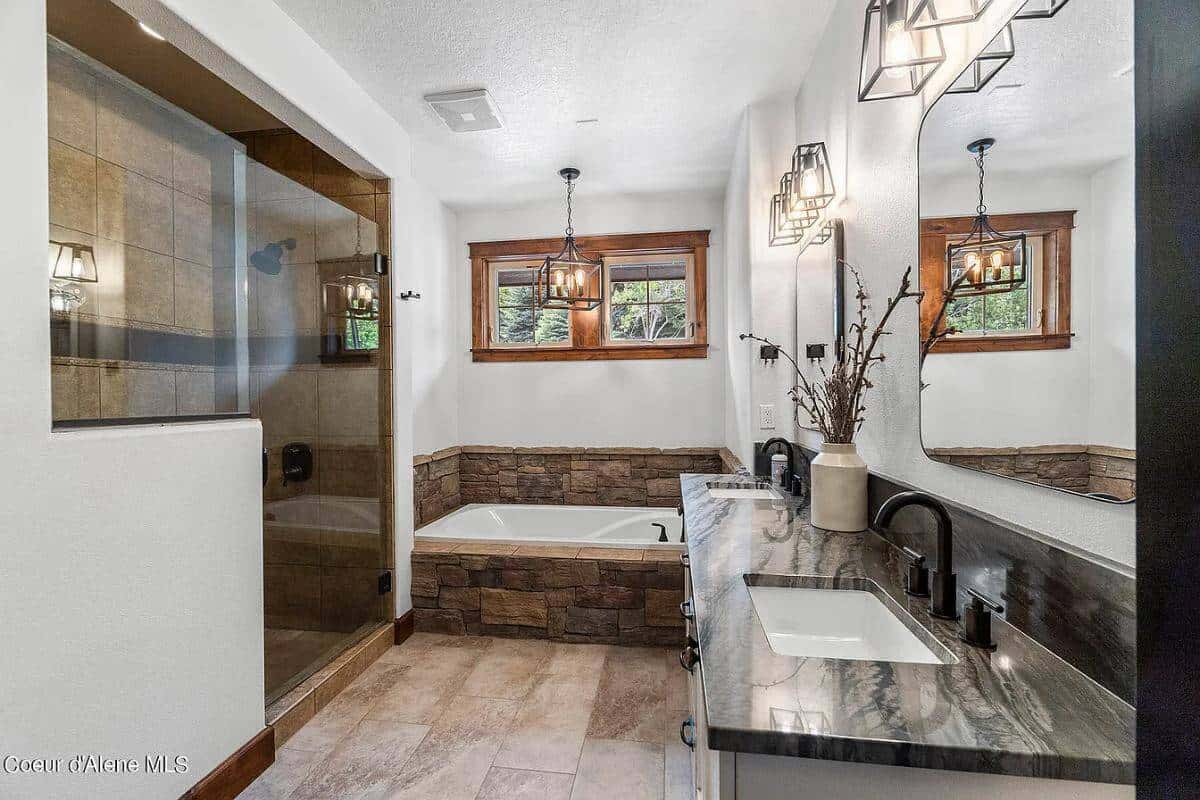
(662, 531)
(977, 620)
(982, 600)
(916, 583)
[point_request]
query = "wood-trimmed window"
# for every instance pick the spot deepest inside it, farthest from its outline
(655, 300)
(1035, 317)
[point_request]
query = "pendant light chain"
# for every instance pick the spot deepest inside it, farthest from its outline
(570, 191)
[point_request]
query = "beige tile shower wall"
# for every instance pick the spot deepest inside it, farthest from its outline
(135, 180)
(605, 476)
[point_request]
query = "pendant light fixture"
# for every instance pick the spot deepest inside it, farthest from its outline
(1040, 9)
(570, 279)
(896, 61)
(937, 13)
(993, 58)
(985, 261)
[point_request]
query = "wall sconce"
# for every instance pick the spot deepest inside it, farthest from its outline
(896, 61)
(998, 53)
(1040, 9)
(789, 222)
(984, 261)
(71, 263)
(811, 186)
(936, 13)
(570, 279)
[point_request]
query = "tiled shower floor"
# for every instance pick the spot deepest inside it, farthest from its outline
(448, 717)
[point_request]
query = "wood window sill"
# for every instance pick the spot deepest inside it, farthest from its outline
(1002, 344)
(616, 353)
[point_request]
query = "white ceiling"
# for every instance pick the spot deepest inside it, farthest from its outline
(1074, 112)
(667, 80)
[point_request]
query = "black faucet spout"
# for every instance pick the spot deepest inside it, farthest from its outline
(790, 477)
(944, 602)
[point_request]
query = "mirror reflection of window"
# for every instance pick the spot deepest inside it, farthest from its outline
(1034, 381)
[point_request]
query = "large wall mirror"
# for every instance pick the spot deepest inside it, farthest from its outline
(1027, 321)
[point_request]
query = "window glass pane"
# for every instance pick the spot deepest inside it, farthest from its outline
(674, 291)
(361, 334)
(666, 321)
(552, 326)
(628, 292)
(628, 322)
(965, 314)
(1008, 311)
(515, 287)
(515, 325)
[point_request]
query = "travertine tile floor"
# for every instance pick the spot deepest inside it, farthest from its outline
(477, 718)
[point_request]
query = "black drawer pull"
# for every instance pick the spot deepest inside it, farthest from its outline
(690, 741)
(685, 610)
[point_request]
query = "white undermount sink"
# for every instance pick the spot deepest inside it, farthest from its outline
(850, 623)
(744, 491)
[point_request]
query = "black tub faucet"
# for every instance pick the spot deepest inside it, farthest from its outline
(944, 602)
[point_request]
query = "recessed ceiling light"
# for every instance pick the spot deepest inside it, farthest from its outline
(151, 32)
(588, 121)
(466, 111)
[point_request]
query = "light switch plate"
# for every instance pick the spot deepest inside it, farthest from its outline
(766, 416)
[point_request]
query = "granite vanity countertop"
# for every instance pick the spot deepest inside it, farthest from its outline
(1017, 710)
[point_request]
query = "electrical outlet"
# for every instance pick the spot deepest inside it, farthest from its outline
(766, 416)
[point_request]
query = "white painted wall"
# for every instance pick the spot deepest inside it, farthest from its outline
(735, 298)
(657, 403)
(131, 577)
(1112, 413)
(872, 147)
(434, 328)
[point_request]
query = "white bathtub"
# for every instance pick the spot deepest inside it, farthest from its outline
(331, 512)
(605, 526)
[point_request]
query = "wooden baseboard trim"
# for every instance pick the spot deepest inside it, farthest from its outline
(404, 626)
(235, 773)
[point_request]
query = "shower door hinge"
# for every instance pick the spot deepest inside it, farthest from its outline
(385, 582)
(381, 264)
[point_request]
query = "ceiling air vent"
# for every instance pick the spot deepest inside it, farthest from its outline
(466, 111)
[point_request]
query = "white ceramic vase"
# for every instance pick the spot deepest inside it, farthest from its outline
(839, 488)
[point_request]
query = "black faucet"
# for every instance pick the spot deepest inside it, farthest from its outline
(944, 603)
(789, 477)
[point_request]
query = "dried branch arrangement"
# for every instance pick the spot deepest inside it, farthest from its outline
(834, 401)
(936, 331)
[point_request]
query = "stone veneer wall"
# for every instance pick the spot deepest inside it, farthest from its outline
(1080, 468)
(592, 476)
(570, 594)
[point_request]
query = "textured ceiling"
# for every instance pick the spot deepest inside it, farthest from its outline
(1074, 111)
(667, 81)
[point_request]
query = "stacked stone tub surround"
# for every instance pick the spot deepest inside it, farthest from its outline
(580, 476)
(570, 594)
(1018, 710)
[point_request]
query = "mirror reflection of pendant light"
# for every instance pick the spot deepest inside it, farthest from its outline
(998, 53)
(896, 61)
(937, 13)
(1040, 9)
(984, 261)
(570, 279)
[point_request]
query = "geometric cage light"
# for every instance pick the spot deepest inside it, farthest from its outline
(811, 182)
(570, 279)
(985, 261)
(71, 261)
(985, 66)
(936, 13)
(786, 228)
(1040, 9)
(896, 61)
